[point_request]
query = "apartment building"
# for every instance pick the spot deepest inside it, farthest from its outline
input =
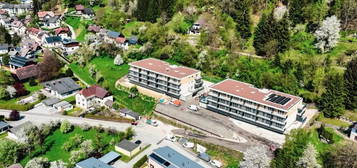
(270, 109)
(175, 81)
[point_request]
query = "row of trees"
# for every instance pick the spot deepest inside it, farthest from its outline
(341, 92)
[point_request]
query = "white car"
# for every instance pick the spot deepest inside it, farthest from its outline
(188, 145)
(193, 107)
(216, 163)
(154, 123)
(171, 138)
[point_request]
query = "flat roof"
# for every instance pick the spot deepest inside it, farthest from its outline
(164, 68)
(249, 92)
(172, 159)
(127, 145)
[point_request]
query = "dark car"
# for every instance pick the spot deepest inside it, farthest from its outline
(134, 123)
(138, 142)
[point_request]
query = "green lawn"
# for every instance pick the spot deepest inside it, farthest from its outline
(130, 27)
(58, 139)
(333, 121)
(82, 73)
(73, 21)
(32, 88)
(71, 99)
(127, 159)
(111, 73)
(3, 135)
(79, 26)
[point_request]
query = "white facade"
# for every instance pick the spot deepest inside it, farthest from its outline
(88, 102)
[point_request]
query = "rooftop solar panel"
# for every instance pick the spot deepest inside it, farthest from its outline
(278, 99)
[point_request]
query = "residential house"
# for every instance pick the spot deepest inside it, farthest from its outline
(16, 9)
(127, 148)
(4, 49)
(353, 134)
(269, 109)
(93, 96)
(51, 22)
(17, 133)
(70, 46)
(175, 81)
(41, 37)
(130, 114)
(4, 126)
(62, 88)
(92, 163)
(79, 9)
(111, 36)
(43, 15)
(165, 157)
(27, 72)
(18, 28)
(88, 13)
(121, 43)
(51, 101)
(5, 22)
(3, 13)
(63, 32)
(195, 29)
(110, 157)
(94, 28)
(63, 106)
(53, 42)
(33, 32)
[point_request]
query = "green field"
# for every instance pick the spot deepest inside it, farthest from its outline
(32, 88)
(79, 26)
(333, 121)
(111, 73)
(57, 139)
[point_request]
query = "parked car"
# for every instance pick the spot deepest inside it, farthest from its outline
(188, 145)
(171, 138)
(138, 142)
(216, 163)
(193, 107)
(152, 122)
(134, 123)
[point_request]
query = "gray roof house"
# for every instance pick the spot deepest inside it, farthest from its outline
(17, 132)
(51, 101)
(168, 157)
(4, 48)
(62, 88)
(113, 34)
(92, 163)
(127, 148)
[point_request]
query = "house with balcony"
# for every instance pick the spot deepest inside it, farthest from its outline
(92, 97)
(269, 109)
(175, 81)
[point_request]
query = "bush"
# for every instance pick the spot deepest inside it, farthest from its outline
(14, 115)
(65, 127)
(32, 82)
(73, 142)
(140, 162)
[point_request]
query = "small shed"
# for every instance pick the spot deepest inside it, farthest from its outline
(51, 101)
(127, 148)
(130, 114)
(110, 157)
(63, 106)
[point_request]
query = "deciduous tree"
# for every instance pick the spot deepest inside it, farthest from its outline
(328, 34)
(49, 67)
(308, 159)
(255, 157)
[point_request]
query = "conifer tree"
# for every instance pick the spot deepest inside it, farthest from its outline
(263, 34)
(332, 101)
(350, 77)
(242, 17)
(282, 34)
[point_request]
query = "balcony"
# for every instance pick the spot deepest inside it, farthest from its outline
(134, 69)
(213, 94)
(174, 81)
(144, 72)
(302, 109)
(134, 74)
(152, 75)
(225, 98)
(162, 78)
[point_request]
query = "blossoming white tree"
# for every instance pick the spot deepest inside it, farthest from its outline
(328, 34)
(308, 159)
(255, 157)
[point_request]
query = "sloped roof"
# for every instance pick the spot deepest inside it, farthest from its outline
(94, 90)
(53, 39)
(51, 101)
(88, 11)
(130, 113)
(62, 85)
(42, 14)
(18, 61)
(79, 7)
(92, 163)
(3, 124)
(94, 28)
(26, 72)
(61, 30)
(113, 34)
(120, 40)
(33, 30)
(109, 157)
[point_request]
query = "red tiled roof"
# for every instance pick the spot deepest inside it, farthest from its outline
(165, 68)
(94, 91)
(2, 12)
(79, 7)
(120, 40)
(42, 14)
(33, 30)
(27, 72)
(61, 29)
(94, 28)
(248, 91)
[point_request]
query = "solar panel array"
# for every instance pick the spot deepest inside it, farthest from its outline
(278, 99)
